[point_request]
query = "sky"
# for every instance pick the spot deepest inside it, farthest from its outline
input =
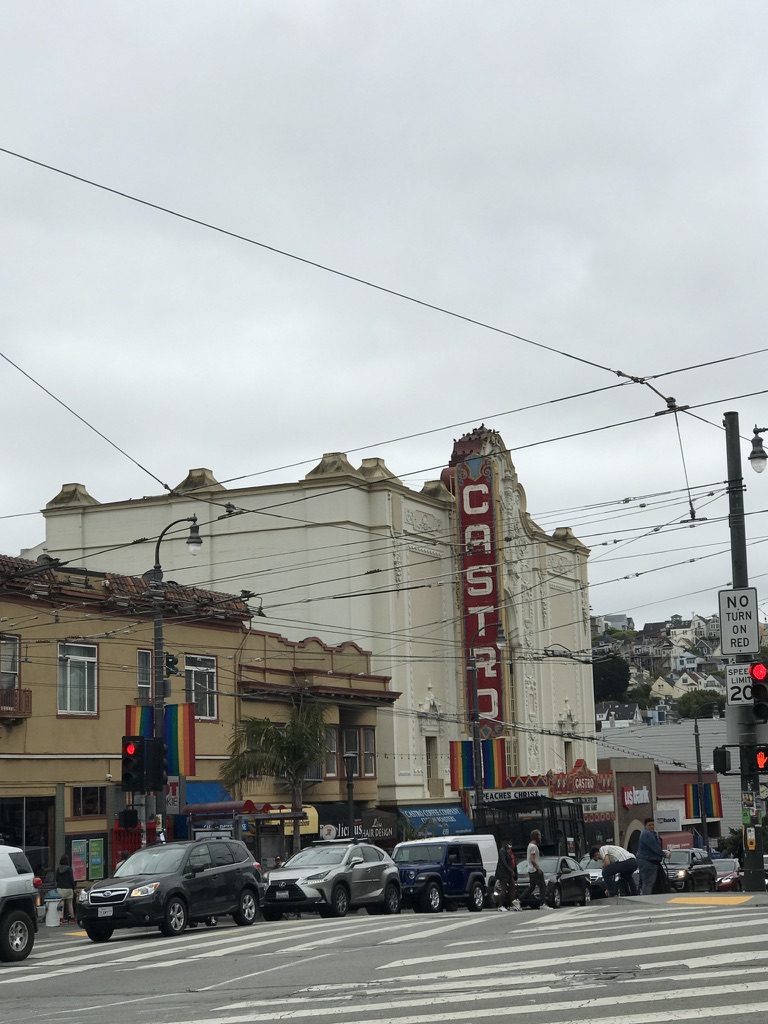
(239, 235)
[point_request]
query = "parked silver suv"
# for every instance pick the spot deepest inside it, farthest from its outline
(18, 899)
(331, 878)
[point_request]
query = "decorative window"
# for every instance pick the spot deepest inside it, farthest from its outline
(89, 801)
(331, 752)
(200, 676)
(144, 675)
(9, 662)
(369, 752)
(77, 679)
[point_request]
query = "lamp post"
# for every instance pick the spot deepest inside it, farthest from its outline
(700, 770)
(155, 579)
(350, 764)
(474, 715)
(754, 874)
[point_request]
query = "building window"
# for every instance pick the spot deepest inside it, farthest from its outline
(352, 746)
(77, 679)
(144, 675)
(431, 752)
(369, 752)
(331, 752)
(89, 801)
(201, 685)
(9, 662)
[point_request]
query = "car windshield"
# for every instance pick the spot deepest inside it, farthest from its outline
(317, 855)
(590, 865)
(549, 864)
(427, 853)
(152, 861)
(679, 857)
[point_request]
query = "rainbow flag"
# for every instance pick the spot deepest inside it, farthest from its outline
(494, 763)
(179, 736)
(462, 770)
(713, 804)
(139, 720)
(494, 754)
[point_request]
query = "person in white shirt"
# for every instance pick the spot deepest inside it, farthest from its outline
(619, 867)
(535, 874)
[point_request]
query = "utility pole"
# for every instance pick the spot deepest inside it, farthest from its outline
(742, 716)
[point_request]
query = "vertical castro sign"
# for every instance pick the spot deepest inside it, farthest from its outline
(739, 633)
(480, 588)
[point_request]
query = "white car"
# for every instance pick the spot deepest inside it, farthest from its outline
(18, 904)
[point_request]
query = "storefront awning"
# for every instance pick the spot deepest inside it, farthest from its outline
(206, 793)
(437, 820)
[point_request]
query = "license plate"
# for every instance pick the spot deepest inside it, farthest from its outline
(105, 911)
(281, 895)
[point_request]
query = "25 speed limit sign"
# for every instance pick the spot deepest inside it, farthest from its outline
(738, 685)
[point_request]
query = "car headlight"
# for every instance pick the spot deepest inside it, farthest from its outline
(682, 873)
(411, 874)
(317, 877)
(145, 890)
(83, 897)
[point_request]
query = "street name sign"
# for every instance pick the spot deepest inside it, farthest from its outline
(739, 632)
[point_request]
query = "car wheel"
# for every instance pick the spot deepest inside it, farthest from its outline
(586, 899)
(712, 887)
(246, 908)
(175, 919)
(98, 932)
(17, 936)
(432, 899)
(271, 915)
(339, 901)
(476, 899)
(688, 885)
(556, 899)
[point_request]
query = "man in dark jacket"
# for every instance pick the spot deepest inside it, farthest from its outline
(650, 856)
(506, 873)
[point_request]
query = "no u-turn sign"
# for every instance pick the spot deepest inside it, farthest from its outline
(739, 633)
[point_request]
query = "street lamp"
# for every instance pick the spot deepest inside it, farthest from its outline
(350, 765)
(155, 579)
(754, 873)
(474, 714)
(700, 771)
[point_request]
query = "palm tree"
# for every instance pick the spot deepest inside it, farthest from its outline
(283, 750)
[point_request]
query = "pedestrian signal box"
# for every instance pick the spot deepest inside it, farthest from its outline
(760, 759)
(758, 673)
(721, 760)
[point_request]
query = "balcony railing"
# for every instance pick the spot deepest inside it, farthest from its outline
(15, 703)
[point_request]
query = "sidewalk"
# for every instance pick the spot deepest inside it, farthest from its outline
(752, 900)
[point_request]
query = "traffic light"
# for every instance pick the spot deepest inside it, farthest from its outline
(134, 764)
(157, 764)
(759, 758)
(171, 665)
(758, 673)
(721, 760)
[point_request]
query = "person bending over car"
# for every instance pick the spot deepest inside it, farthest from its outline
(619, 866)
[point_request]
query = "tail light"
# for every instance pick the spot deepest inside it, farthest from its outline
(37, 882)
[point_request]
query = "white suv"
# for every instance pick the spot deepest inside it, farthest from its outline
(18, 898)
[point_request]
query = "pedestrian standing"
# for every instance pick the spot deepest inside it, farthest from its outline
(619, 866)
(535, 873)
(650, 857)
(65, 883)
(505, 889)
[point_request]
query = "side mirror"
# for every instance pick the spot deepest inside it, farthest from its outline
(356, 858)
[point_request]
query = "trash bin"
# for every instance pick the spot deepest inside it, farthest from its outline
(53, 909)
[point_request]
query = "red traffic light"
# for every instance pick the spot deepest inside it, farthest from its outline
(758, 671)
(129, 748)
(760, 758)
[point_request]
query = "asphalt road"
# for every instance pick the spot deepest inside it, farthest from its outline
(627, 961)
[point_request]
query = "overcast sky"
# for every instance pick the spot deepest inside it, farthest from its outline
(588, 176)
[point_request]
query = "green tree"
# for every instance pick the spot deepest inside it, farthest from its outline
(283, 750)
(610, 678)
(641, 695)
(691, 702)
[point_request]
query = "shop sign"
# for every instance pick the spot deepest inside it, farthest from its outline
(503, 796)
(480, 589)
(667, 821)
(633, 796)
